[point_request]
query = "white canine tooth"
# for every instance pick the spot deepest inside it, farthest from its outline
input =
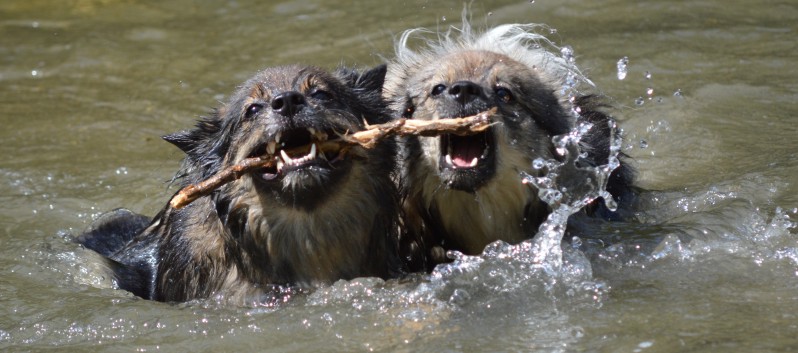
(280, 165)
(286, 158)
(277, 137)
(312, 131)
(473, 162)
(312, 154)
(448, 158)
(271, 147)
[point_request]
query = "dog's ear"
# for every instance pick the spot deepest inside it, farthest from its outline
(181, 139)
(192, 141)
(372, 79)
(369, 81)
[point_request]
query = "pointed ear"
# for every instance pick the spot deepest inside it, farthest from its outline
(182, 139)
(369, 81)
(192, 141)
(372, 79)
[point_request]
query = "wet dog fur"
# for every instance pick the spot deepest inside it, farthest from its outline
(310, 221)
(462, 193)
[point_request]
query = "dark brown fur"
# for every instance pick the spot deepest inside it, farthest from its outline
(328, 219)
(474, 196)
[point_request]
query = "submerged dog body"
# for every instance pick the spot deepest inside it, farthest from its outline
(319, 215)
(462, 193)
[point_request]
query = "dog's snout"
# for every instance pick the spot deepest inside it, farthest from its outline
(464, 91)
(288, 103)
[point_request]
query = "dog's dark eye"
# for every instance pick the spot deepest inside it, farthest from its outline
(253, 110)
(321, 95)
(504, 94)
(438, 89)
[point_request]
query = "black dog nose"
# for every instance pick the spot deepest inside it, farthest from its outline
(288, 103)
(464, 91)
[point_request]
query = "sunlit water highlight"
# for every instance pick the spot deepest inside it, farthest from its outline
(707, 108)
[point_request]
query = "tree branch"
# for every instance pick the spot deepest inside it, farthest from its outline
(367, 138)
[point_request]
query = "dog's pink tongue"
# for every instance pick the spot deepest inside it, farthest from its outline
(464, 150)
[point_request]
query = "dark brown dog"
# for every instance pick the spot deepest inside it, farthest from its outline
(462, 193)
(318, 216)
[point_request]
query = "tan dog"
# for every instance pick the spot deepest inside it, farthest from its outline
(462, 193)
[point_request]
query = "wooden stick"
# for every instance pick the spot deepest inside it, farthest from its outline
(367, 139)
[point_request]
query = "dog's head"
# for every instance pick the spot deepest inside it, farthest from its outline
(294, 113)
(504, 68)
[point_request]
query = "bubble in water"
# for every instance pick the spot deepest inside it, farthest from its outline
(622, 67)
(643, 144)
(647, 75)
(34, 73)
(650, 91)
(639, 101)
(531, 1)
(443, 18)
(121, 171)
(490, 14)
(678, 93)
(552, 31)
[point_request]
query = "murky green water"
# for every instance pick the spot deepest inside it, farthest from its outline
(88, 86)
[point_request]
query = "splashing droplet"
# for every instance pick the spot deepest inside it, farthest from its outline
(648, 75)
(622, 67)
(568, 53)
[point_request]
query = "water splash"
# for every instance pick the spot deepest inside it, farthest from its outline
(567, 187)
(622, 65)
(567, 184)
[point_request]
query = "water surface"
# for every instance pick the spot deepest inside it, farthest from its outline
(708, 109)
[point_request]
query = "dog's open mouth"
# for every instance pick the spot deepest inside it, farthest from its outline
(467, 162)
(299, 149)
(463, 152)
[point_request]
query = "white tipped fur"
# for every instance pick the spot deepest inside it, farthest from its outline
(502, 208)
(520, 42)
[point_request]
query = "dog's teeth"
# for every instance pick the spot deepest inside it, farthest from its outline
(286, 158)
(277, 137)
(312, 154)
(448, 158)
(312, 131)
(473, 162)
(280, 165)
(271, 147)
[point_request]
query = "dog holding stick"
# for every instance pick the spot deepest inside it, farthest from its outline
(462, 193)
(318, 214)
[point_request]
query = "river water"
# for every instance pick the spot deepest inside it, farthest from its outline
(708, 107)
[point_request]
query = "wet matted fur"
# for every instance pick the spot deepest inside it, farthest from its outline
(461, 193)
(318, 216)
